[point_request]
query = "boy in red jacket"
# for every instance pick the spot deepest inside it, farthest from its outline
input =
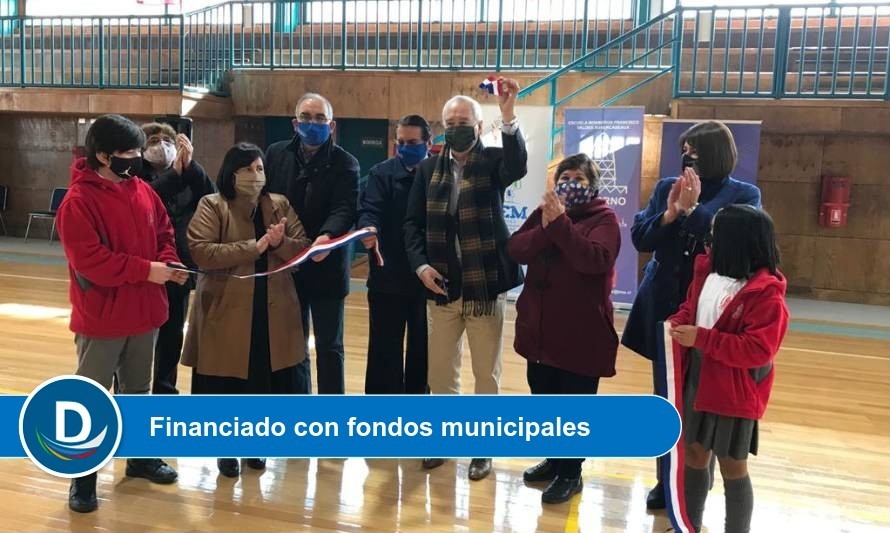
(732, 322)
(118, 241)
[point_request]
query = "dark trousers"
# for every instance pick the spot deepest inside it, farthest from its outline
(396, 365)
(168, 347)
(545, 379)
(327, 325)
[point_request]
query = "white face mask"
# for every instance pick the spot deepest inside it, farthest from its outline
(162, 154)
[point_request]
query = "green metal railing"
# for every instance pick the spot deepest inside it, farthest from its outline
(797, 51)
(649, 48)
(97, 52)
(828, 50)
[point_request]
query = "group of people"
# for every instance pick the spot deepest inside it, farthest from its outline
(142, 217)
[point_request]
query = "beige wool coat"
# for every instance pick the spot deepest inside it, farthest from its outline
(222, 240)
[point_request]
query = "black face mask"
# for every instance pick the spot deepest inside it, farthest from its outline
(460, 138)
(126, 167)
(689, 161)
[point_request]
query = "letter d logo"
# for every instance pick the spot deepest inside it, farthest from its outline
(70, 426)
(86, 422)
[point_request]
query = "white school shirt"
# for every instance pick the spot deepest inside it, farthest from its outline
(715, 295)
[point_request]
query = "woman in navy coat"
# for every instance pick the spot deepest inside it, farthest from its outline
(674, 227)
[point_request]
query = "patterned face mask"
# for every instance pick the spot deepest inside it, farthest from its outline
(573, 193)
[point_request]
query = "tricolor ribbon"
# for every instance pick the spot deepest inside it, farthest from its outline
(492, 85)
(669, 385)
(305, 255)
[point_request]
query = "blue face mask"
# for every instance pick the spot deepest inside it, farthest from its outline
(412, 154)
(313, 134)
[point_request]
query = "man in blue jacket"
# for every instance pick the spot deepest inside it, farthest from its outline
(321, 181)
(396, 298)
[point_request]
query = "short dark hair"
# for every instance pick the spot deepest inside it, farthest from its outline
(239, 156)
(109, 134)
(716, 149)
(743, 242)
(579, 162)
(420, 122)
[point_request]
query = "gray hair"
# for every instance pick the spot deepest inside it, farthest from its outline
(328, 108)
(474, 106)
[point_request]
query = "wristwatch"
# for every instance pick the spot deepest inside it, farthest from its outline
(690, 210)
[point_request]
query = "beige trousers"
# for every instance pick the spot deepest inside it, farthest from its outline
(485, 336)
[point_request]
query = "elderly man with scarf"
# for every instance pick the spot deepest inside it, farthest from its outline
(456, 240)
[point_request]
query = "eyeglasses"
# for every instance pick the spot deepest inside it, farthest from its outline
(316, 119)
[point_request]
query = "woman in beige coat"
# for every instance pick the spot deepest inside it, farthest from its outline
(244, 335)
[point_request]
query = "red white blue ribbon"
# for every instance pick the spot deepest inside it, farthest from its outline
(669, 384)
(324, 248)
(492, 85)
(305, 255)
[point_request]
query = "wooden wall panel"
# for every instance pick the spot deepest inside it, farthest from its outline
(790, 158)
(392, 94)
(38, 151)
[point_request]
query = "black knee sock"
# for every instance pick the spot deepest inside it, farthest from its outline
(696, 490)
(739, 504)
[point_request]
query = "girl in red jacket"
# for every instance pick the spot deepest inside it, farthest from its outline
(564, 323)
(733, 322)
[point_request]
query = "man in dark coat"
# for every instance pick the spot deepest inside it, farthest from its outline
(321, 181)
(396, 299)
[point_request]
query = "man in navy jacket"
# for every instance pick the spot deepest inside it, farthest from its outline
(396, 298)
(321, 181)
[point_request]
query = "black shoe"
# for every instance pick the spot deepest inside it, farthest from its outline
(429, 464)
(561, 489)
(154, 470)
(82, 494)
(256, 464)
(543, 471)
(228, 467)
(479, 469)
(655, 499)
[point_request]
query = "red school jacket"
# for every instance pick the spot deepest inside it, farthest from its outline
(111, 232)
(746, 337)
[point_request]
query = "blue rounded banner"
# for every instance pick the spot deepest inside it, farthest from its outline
(501, 426)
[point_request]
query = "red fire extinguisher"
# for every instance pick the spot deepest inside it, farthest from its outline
(835, 201)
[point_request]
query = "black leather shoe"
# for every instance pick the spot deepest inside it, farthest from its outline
(561, 489)
(429, 464)
(82, 494)
(154, 470)
(479, 469)
(543, 471)
(256, 464)
(655, 499)
(228, 467)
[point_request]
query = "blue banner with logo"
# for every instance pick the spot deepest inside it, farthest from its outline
(613, 138)
(70, 426)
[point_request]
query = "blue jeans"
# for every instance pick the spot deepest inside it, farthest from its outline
(327, 324)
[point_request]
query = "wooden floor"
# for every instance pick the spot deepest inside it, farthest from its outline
(823, 466)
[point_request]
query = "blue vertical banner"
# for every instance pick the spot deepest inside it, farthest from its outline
(613, 138)
(747, 140)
